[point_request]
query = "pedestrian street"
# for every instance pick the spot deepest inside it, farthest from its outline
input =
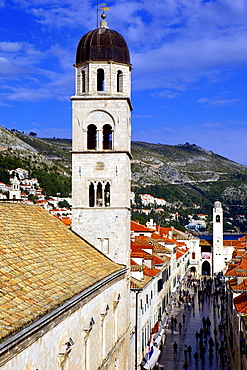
(189, 320)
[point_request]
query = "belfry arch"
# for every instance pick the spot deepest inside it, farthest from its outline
(102, 135)
(206, 268)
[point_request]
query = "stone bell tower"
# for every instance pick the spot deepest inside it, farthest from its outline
(218, 257)
(101, 143)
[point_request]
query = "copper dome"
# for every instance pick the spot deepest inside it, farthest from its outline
(102, 44)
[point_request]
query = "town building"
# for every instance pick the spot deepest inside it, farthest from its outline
(160, 260)
(236, 306)
(14, 190)
(101, 143)
(214, 252)
(62, 301)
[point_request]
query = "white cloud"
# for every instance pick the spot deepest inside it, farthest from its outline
(170, 41)
(9, 70)
(217, 101)
(165, 94)
(12, 47)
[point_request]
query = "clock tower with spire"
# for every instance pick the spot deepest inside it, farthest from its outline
(218, 252)
(101, 144)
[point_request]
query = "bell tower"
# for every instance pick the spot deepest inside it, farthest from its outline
(218, 257)
(101, 175)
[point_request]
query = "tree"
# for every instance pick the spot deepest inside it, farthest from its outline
(63, 204)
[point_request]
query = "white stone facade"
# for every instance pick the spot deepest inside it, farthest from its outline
(147, 306)
(100, 337)
(14, 191)
(104, 223)
(218, 259)
(88, 73)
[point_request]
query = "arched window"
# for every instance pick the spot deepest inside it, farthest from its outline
(119, 81)
(107, 195)
(107, 137)
(83, 81)
(217, 218)
(91, 195)
(99, 195)
(100, 80)
(92, 137)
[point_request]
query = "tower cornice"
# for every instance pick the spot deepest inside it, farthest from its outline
(101, 97)
(103, 152)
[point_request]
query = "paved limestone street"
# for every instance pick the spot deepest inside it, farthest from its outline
(192, 323)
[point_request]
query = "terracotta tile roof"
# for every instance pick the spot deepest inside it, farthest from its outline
(238, 268)
(150, 272)
(135, 267)
(241, 303)
(140, 254)
(233, 281)
(139, 284)
(135, 226)
(137, 251)
(66, 221)
(239, 287)
(179, 253)
(234, 243)
(164, 239)
(204, 242)
(158, 260)
(139, 243)
(42, 264)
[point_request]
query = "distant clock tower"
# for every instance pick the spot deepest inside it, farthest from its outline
(218, 257)
(101, 143)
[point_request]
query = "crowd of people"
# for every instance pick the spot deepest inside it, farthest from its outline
(209, 338)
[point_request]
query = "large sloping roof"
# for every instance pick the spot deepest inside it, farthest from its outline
(42, 264)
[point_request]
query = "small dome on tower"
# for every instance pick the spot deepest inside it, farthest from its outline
(102, 44)
(217, 204)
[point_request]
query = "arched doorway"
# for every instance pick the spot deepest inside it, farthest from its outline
(206, 268)
(193, 271)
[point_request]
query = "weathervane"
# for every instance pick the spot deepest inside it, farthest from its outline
(104, 8)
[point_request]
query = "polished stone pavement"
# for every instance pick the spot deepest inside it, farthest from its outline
(191, 324)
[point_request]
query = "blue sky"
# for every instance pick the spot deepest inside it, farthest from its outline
(189, 59)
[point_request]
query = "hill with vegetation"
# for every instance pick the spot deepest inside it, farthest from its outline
(184, 175)
(49, 163)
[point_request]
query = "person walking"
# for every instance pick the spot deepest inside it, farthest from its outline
(175, 348)
(175, 322)
(185, 351)
(196, 357)
(197, 336)
(180, 327)
(211, 342)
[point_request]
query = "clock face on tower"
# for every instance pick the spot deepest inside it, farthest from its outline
(218, 241)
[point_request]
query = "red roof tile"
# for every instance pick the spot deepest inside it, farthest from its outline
(241, 303)
(135, 226)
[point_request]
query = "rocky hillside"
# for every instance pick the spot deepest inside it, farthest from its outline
(42, 152)
(156, 164)
(182, 173)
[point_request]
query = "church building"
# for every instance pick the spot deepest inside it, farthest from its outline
(214, 252)
(65, 294)
(101, 143)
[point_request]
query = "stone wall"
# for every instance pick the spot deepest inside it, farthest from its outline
(98, 328)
